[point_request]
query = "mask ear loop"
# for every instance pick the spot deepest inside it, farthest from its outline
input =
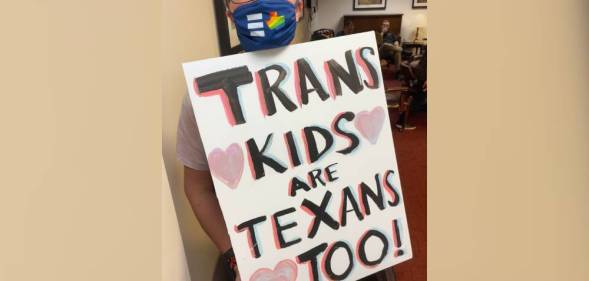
(228, 12)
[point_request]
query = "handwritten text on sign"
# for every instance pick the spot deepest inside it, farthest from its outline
(301, 152)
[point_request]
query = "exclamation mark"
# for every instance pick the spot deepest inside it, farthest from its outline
(397, 239)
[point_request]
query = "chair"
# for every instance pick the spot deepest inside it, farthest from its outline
(403, 89)
(394, 93)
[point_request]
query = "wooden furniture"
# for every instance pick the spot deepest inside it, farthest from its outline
(403, 105)
(416, 48)
(364, 23)
(393, 92)
(406, 97)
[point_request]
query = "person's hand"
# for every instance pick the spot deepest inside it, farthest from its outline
(237, 278)
(232, 263)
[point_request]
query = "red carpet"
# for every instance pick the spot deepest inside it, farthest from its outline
(411, 149)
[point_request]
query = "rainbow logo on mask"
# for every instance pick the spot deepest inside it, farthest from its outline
(275, 21)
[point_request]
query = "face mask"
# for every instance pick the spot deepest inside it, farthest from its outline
(265, 24)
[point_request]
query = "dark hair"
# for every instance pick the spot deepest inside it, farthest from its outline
(348, 22)
(323, 33)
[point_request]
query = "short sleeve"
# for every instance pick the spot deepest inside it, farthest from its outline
(189, 147)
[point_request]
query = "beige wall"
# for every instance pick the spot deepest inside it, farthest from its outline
(174, 264)
(303, 29)
(80, 115)
(189, 33)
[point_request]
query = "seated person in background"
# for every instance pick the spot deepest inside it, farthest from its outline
(390, 48)
(348, 28)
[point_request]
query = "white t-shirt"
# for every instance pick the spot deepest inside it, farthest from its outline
(189, 148)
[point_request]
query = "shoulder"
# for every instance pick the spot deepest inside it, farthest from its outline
(189, 147)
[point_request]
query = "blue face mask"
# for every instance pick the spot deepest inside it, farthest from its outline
(265, 24)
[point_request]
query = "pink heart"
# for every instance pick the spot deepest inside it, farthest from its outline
(227, 166)
(370, 123)
(285, 270)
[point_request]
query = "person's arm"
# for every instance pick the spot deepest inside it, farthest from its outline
(198, 185)
(199, 190)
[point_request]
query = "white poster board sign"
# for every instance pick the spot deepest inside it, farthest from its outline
(300, 147)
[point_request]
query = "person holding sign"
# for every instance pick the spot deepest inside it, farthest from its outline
(253, 35)
(300, 152)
